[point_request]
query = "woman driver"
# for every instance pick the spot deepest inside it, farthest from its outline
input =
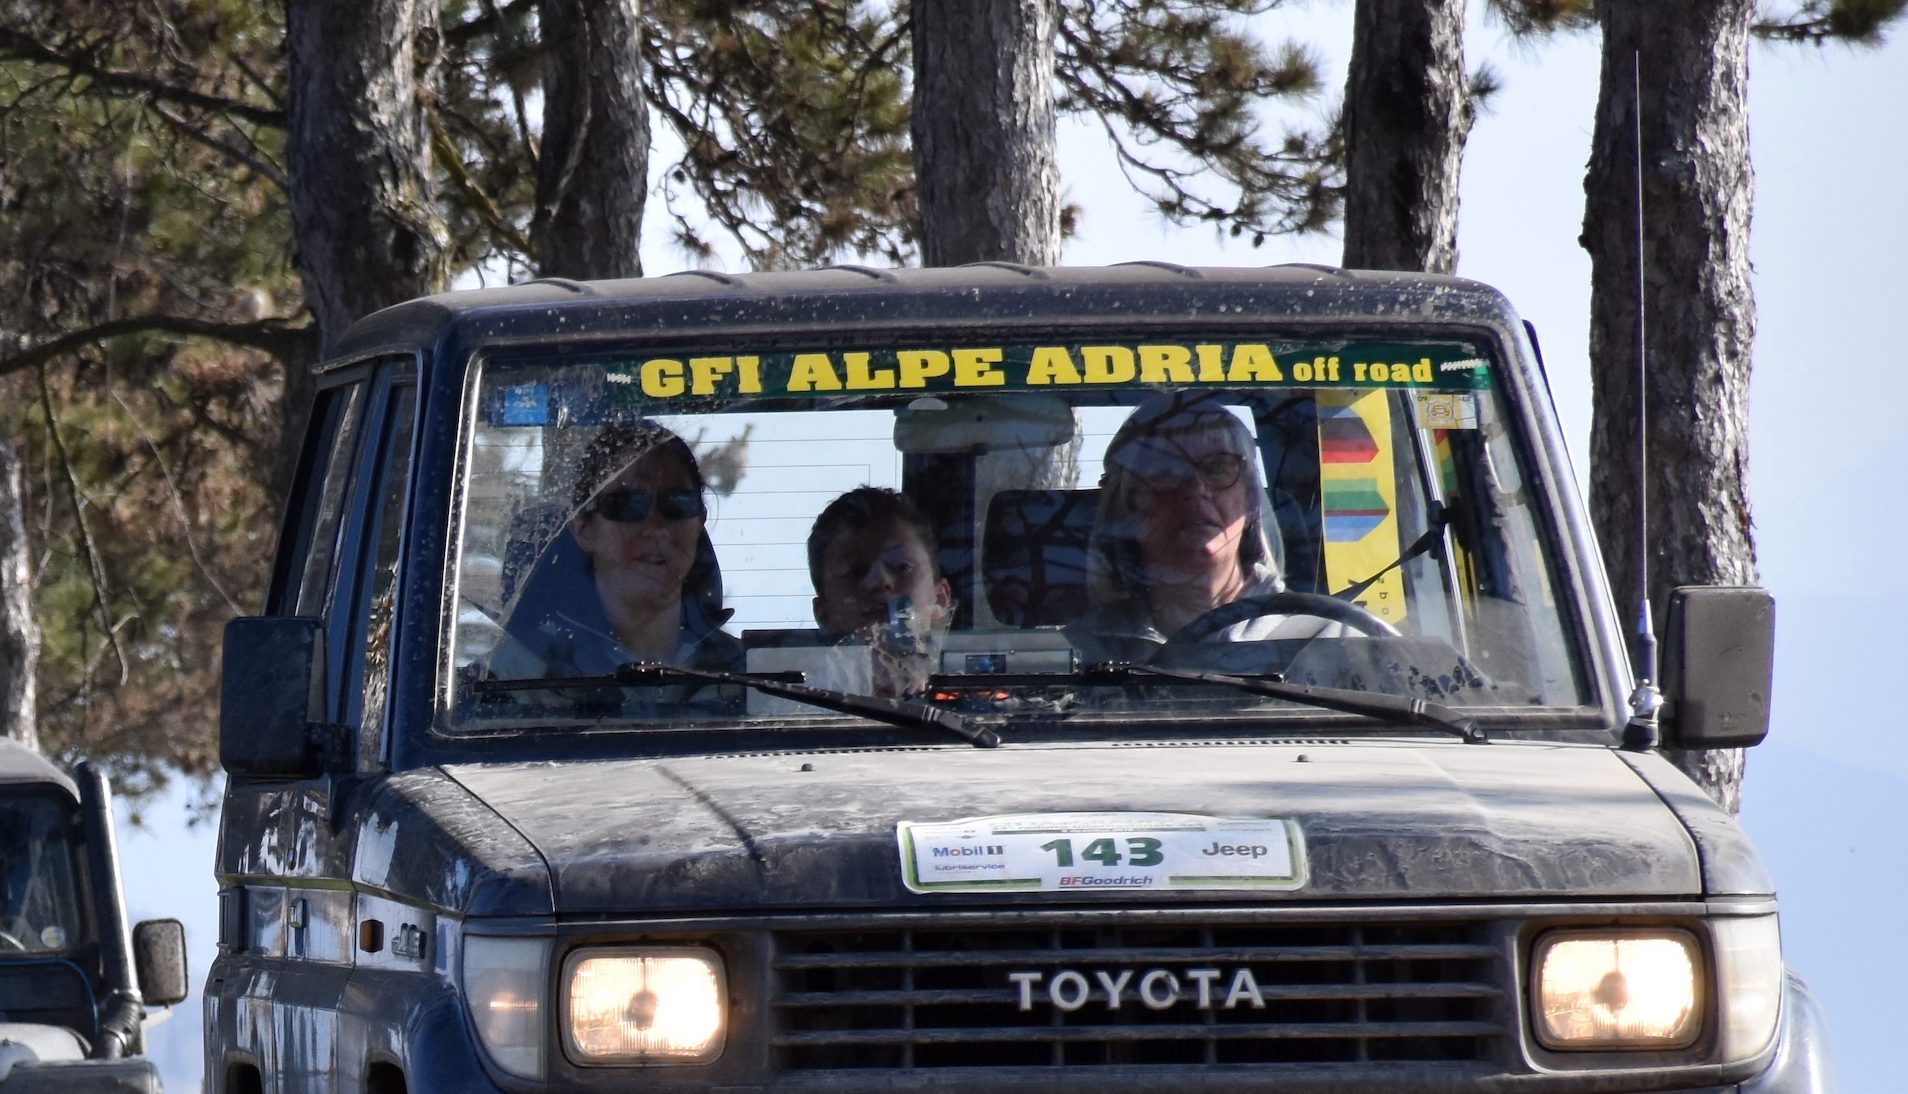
(1183, 528)
(648, 590)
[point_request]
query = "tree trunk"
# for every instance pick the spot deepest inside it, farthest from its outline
(19, 629)
(363, 200)
(1699, 310)
(985, 164)
(1407, 113)
(593, 167)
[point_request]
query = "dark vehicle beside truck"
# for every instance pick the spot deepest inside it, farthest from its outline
(76, 978)
(1402, 844)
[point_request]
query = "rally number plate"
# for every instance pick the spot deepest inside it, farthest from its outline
(1082, 852)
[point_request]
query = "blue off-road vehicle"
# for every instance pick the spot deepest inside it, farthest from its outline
(805, 682)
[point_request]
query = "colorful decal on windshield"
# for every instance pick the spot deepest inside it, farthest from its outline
(1359, 492)
(1089, 852)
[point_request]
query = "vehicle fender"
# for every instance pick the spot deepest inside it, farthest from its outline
(431, 1044)
(1802, 1064)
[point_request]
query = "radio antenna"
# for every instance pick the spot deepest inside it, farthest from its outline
(1641, 734)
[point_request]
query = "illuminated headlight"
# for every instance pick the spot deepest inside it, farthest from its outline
(1636, 989)
(644, 1006)
(504, 982)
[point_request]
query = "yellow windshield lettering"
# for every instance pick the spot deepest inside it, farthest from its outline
(662, 378)
(1319, 370)
(705, 371)
(975, 368)
(749, 382)
(862, 378)
(1254, 364)
(1109, 364)
(1165, 365)
(813, 372)
(1212, 363)
(918, 365)
(1051, 365)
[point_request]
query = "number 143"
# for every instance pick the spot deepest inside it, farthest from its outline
(1140, 851)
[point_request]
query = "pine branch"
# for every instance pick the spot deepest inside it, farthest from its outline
(1817, 22)
(95, 565)
(21, 47)
(239, 155)
(274, 336)
(445, 152)
(178, 503)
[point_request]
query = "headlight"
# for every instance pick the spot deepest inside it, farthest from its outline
(1616, 989)
(504, 982)
(644, 1006)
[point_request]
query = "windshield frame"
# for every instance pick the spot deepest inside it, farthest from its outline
(1534, 440)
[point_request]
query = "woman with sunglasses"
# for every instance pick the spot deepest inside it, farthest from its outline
(650, 590)
(1183, 533)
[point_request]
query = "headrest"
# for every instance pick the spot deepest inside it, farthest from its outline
(1034, 555)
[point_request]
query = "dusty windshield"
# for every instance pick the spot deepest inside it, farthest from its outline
(985, 526)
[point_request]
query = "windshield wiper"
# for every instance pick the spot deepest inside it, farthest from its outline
(1391, 708)
(907, 714)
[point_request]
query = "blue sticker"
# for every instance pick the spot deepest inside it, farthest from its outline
(523, 404)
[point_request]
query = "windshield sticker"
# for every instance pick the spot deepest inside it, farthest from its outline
(1447, 410)
(1045, 367)
(1075, 852)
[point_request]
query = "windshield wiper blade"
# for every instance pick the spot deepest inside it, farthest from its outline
(1391, 708)
(907, 714)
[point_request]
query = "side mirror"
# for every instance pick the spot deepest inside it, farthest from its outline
(1718, 664)
(271, 694)
(159, 956)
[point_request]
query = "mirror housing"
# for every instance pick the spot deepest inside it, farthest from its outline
(159, 957)
(1718, 666)
(271, 695)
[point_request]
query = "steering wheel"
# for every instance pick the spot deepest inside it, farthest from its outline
(7, 941)
(1287, 602)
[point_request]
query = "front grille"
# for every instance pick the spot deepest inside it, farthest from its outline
(1249, 993)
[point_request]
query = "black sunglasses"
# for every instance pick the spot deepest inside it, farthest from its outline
(1219, 471)
(630, 506)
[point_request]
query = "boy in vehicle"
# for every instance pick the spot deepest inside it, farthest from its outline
(876, 566)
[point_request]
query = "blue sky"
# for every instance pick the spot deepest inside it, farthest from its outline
(1829, 444)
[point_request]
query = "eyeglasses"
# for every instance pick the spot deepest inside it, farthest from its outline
(1218, 471)
(631, 506)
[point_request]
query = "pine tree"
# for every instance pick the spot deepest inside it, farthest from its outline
(1407, 114)
(593, 156)
(984, 146)
(1675, 79)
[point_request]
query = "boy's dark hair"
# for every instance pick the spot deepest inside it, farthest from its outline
(858, 509)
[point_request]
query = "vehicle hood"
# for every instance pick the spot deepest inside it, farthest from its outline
(1378, 821)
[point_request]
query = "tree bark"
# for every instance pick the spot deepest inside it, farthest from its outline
(1408, 112)
(19, 629)
(363, 200)
(1699, 309)
(985, 164)
(593, 167)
